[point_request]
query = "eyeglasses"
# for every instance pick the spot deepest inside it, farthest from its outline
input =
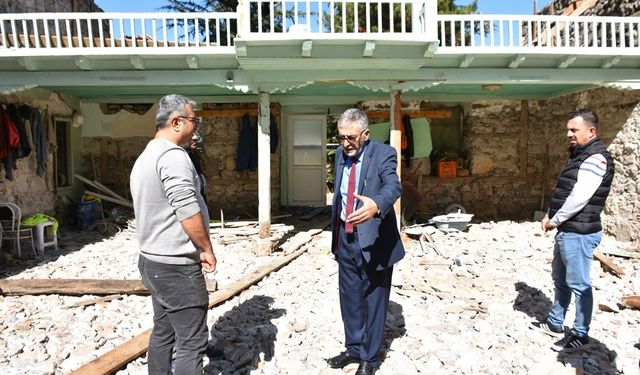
(350, 138)
(194, 120)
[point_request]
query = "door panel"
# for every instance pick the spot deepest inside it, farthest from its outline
(308, 162)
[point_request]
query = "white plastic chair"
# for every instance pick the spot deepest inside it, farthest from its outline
(10, 216)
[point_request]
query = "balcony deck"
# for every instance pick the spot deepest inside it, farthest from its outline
(393, 44)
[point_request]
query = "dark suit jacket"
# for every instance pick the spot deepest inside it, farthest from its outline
(378, 237)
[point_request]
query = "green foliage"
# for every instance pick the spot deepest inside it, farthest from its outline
(449, 7)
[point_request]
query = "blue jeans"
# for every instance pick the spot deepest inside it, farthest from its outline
(572, 257)
(179, 296)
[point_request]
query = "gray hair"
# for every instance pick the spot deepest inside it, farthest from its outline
(354, 115)
(169, 104)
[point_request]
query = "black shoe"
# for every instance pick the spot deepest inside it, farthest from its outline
(341, 360)
(548, 329)
(365, 368)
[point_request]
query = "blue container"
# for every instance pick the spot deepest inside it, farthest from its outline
(88, 213)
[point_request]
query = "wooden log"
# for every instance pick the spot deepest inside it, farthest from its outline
(77, 287)
(609, 264)
(71, 287)
(110, 199)
(99, 186)
(118, 357)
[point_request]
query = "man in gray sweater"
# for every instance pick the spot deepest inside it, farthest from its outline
(172, 224)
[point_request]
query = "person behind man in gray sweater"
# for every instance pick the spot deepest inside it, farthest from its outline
(172, 225)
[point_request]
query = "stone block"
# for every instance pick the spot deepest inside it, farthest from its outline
(481, 164)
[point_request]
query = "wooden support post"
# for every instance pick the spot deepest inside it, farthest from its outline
(524, 138)
(396, 142)
(264, 175)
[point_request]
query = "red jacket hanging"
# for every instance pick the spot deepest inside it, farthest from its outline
(9, 136)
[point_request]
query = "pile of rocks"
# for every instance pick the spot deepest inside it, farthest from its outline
(465, 311)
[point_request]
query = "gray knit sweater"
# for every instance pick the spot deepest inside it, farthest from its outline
(166, 190)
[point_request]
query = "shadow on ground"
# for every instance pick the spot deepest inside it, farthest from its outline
(598, 359)
(69, 241)
(394, 327)
(243, 337)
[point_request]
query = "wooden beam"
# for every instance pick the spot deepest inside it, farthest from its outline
(431, 114)
(118, 357)
(609, 264)
(71, 287)
(111, 199)
(77, 287)
(264, 175)
(99, 186)
(523, 148)
(234, 112)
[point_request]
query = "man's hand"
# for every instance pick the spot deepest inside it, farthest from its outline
(546, 224)
(208, 261)
(367, 211)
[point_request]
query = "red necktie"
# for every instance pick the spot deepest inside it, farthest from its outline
(351, 189)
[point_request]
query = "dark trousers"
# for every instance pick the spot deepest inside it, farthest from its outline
(179, 297)
(364, 297)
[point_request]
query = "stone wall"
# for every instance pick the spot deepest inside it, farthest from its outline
(601, 8)
(32, 6)
(236, 193)
(33, 193)
(499, 189)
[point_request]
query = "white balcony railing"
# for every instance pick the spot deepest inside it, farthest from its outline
(44, 34)
(73, 33)
(539, 33)
(353, 19)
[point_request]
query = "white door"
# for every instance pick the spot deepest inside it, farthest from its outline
(307, 164)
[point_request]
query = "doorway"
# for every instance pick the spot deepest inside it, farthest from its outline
(307, 164)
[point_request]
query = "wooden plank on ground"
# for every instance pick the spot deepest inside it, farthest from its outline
(608, 263)
(621, 253)
(93, 301)
(118, 357)
(76, 287)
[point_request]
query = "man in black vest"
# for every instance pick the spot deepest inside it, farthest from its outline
(574, 209)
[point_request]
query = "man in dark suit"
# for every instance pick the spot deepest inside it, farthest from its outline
(366, 242)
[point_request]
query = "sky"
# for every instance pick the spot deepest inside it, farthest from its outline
(484, 6)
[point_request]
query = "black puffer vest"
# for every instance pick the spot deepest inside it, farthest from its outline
(587, 220)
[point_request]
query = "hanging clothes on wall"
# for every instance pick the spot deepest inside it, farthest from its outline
(40, 139)
(247, 151)
(407, 139)
(24, 147)
(9, 142)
